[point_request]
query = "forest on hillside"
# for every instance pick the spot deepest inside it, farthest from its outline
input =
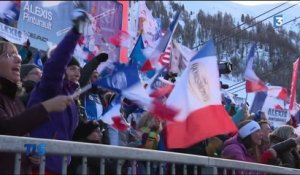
(277, 48)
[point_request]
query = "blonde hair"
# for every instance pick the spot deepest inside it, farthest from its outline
(148, 121)
(282, 133)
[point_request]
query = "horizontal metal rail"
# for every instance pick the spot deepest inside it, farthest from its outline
(16, 145)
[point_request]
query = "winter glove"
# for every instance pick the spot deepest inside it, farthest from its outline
(80, 20)
(284, 146)
(102, 57)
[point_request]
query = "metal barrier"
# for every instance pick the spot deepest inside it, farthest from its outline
(201, 164)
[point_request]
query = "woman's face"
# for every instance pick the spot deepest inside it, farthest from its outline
(10, 64)
(73, 73)
(256, 137)
(96, 135)
(34, 75)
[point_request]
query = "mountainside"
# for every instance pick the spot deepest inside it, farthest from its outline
(277, 48)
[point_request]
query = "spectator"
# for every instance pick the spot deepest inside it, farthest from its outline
(30, 75)
(273, 155)
(290, 157)
(89, 132)
(14, 119)
(53, 83)
(92, 101)
(265, 131)
(244, 145)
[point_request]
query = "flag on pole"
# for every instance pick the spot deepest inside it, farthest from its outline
(198, 96)
(253, 83)
(121, 39)
(294, 83)
(277, 92)
(165, 57)
(114, 118)
(38, 60)
(153, 61)
(180, 57)
(137, 56)
(125, 80)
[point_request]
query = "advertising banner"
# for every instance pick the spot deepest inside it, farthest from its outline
(48, 21)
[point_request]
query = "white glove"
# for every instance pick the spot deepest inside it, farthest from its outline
(80, 20)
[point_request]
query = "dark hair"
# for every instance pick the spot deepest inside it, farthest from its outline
(247, 141)
(263, 122)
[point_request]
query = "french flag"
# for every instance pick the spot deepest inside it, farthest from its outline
(253, 83)
(121, 39)
(125, 80)
(137, 56)
(154, 60)
(158, 86)
(294, 84)
(114, 118)
(278, 92)
(198, 96)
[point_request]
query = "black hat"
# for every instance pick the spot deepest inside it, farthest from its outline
(74, 62)
(84, 129)
(26, 68)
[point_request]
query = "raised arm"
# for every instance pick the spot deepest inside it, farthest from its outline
(89, 67)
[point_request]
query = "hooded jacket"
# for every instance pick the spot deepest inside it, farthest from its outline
(235, 150)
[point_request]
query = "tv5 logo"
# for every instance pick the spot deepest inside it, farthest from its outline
(278, 21)
(34, 149)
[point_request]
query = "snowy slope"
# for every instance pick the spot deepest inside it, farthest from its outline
(236, 10)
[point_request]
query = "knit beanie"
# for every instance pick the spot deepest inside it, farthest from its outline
(74, 62)
(84, 130)
(26, 68)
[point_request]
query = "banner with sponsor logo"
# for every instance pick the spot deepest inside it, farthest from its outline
(275, 108)
(12, 34)
(49, 21)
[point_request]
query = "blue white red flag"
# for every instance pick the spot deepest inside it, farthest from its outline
(125, 80)
(253, 83)
(154, 60)
(198, 96)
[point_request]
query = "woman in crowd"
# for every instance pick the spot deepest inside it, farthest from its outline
(89, 132)
(290, 157)
(30, 75)
(92, 101)
(244, 145)
(14, 119)
(62, 124)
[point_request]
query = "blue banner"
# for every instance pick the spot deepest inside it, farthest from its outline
(49, 21)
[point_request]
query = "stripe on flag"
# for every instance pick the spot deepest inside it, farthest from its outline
(153, 61)
(125, 80)
(198, 96)
(165, 56)
(277, 92)
(253, 83)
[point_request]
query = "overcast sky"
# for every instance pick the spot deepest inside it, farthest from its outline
(252, 3)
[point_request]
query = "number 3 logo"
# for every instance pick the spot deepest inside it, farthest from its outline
(278, 21)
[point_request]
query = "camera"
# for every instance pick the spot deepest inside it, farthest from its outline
(170, 76)
(225, 67)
